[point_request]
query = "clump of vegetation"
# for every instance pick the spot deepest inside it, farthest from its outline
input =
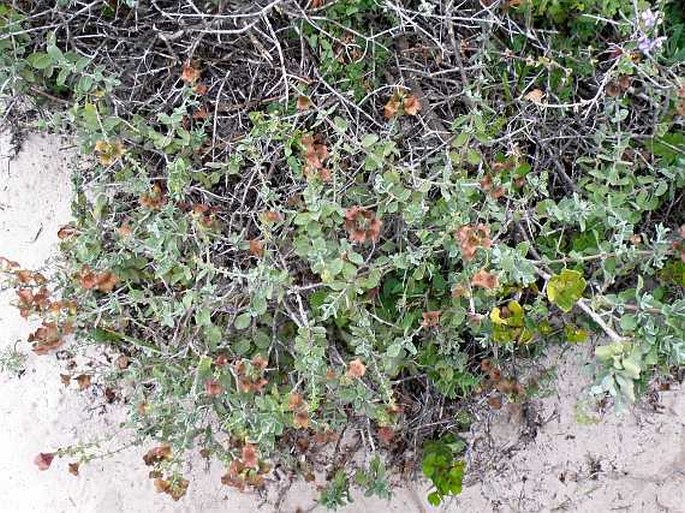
(12, 360)
(308, 218)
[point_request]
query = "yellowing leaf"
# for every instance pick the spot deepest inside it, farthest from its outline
(575, 335)
(565, 289)
(510, 315)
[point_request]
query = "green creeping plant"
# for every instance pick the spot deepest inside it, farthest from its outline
(441, 465)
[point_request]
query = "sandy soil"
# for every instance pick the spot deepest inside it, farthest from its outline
(580, 461)
(576, 461)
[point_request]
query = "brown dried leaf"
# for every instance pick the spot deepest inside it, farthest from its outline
(295, 402)
(495, 402)
(46, 338)
(362, 224)
(107, 281)
(101, 281)
(325, 437)
(460, 290)
(260, 363)
(510, 386)
(303, 443)
(155, 199)
(109, 152)
(87, 278)
(256, 248)
(536, 96)
(624, 82)
(213, 388)
(84, 381)
(233, 481)
(66, 232)
(258, 386)
(485, 280)
(161, 485)
(471, 238)
(356, 369)
(303, 103)
(26, 277)
(391, 108)
(200, 114)
(43, 460)
(249, 456)
(272, 216)
(74, 468)
(7, 265)
(325, 175)
(430, 319)
(190, 74)
(411, 105)
(125, 231)
(386, 435)
(221, 360)
(301, 420)
(178, 489)
(157, 454)
(200, 89)
(497, 192)
(142, 408)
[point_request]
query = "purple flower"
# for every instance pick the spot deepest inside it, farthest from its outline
(650, 19)
(648, 45)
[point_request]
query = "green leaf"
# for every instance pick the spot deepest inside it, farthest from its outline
(90, 117)
(631, 369)
(341, 124)
(565, 289)
(85, 83)
(607, 352)
(456, 477)
(62, 77)
(626, 387)
(179, 177)
(355, 258)
(628, 322)
(434, 499)
(39, 60)
(55, 53)
(369, 140)
(258, 305)
(394, 350)
(242, 321)
(473, 157)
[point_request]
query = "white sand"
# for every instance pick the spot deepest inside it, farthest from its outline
(640, 459)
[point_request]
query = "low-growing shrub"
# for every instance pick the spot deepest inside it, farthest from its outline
(353, 222)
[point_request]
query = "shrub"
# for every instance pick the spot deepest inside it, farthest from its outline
(283, 246)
